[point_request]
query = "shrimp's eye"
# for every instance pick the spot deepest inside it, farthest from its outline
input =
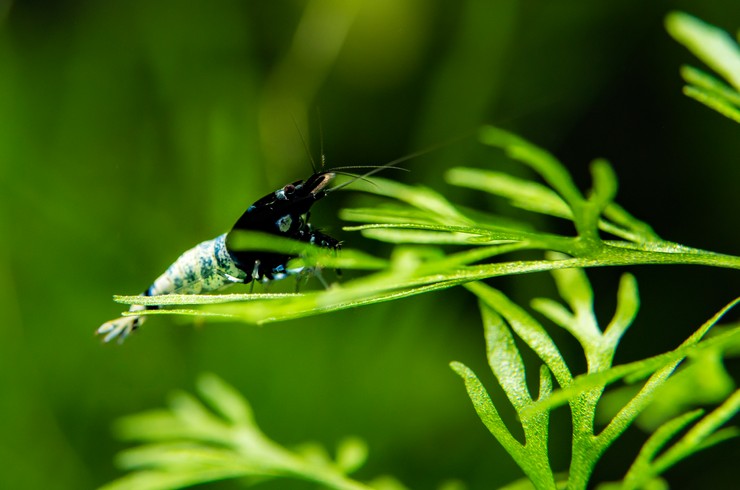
(289, 189)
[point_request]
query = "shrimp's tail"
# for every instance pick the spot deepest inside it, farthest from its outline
(122, 327)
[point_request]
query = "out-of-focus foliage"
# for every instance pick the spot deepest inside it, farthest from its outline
(192, 443)
(131, 130)
(718, 50)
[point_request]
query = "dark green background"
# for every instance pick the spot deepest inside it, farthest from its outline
(129, 131)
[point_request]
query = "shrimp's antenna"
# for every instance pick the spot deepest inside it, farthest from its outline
(391, 164)
(355, 176)
(321, 139)
(353, 167)
(305, 145)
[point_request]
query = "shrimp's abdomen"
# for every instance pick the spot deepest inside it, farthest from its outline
(205, 268)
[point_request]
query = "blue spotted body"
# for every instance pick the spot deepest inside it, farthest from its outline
(204, 268)
(213, 264)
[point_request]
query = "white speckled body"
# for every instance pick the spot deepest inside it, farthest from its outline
(204, 268)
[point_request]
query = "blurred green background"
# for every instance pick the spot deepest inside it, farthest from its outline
(131, 130)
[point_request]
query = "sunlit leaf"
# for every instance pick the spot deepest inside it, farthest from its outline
(710, 44)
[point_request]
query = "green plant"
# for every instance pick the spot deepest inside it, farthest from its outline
(189, 444)
(720, 52)
(501, 317)
(421, 218)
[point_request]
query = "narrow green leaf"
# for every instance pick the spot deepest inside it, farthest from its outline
(391, 235)
(470, 256)
(165, 480)
(592, 380)
(225, 400)
(640, 470)
(702, 80)
(545, 383)
(692, 440)
(522, 193)
(555, 312)
(150, 426)
(195, 416)
(386, 482)
(211, 315)
(504, 358)
(182, 456)
(604, 183)
(628, 304)
(712, 45)
(620, 216)
(386, 214)
(538, 198)
(487, 411)
(647, 467)
(483, 234)
(199, 299)
(351, 454)
(713, 101)
(653, 484)
(527, 328)
(634, 407)
(721, 435)
(422, 198)
(702, 380)
(537, 158)
(574, 287)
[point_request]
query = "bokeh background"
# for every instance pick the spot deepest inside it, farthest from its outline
(131, 130)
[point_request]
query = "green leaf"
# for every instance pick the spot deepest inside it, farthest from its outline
(523, 194)
(712, 45)
(545, 383)
(692, 441)
(710, 84)
(640, 469)
(508, 367)
(476, 235)
(586, 382)
(639, 231)
(705, 433)
(504, 358)
(193, 445)
(352, 453)
(538, 159)
(554, 311)
(225, 400)
(487, 411)
(538, 198)
(532, 457)
(628, 304)
(386, 214)
(183, 456)
(405, 235)
(605, 184)
(574, 287)
(422, 198)
(526, 328)
(714, 101)
(166, 480)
